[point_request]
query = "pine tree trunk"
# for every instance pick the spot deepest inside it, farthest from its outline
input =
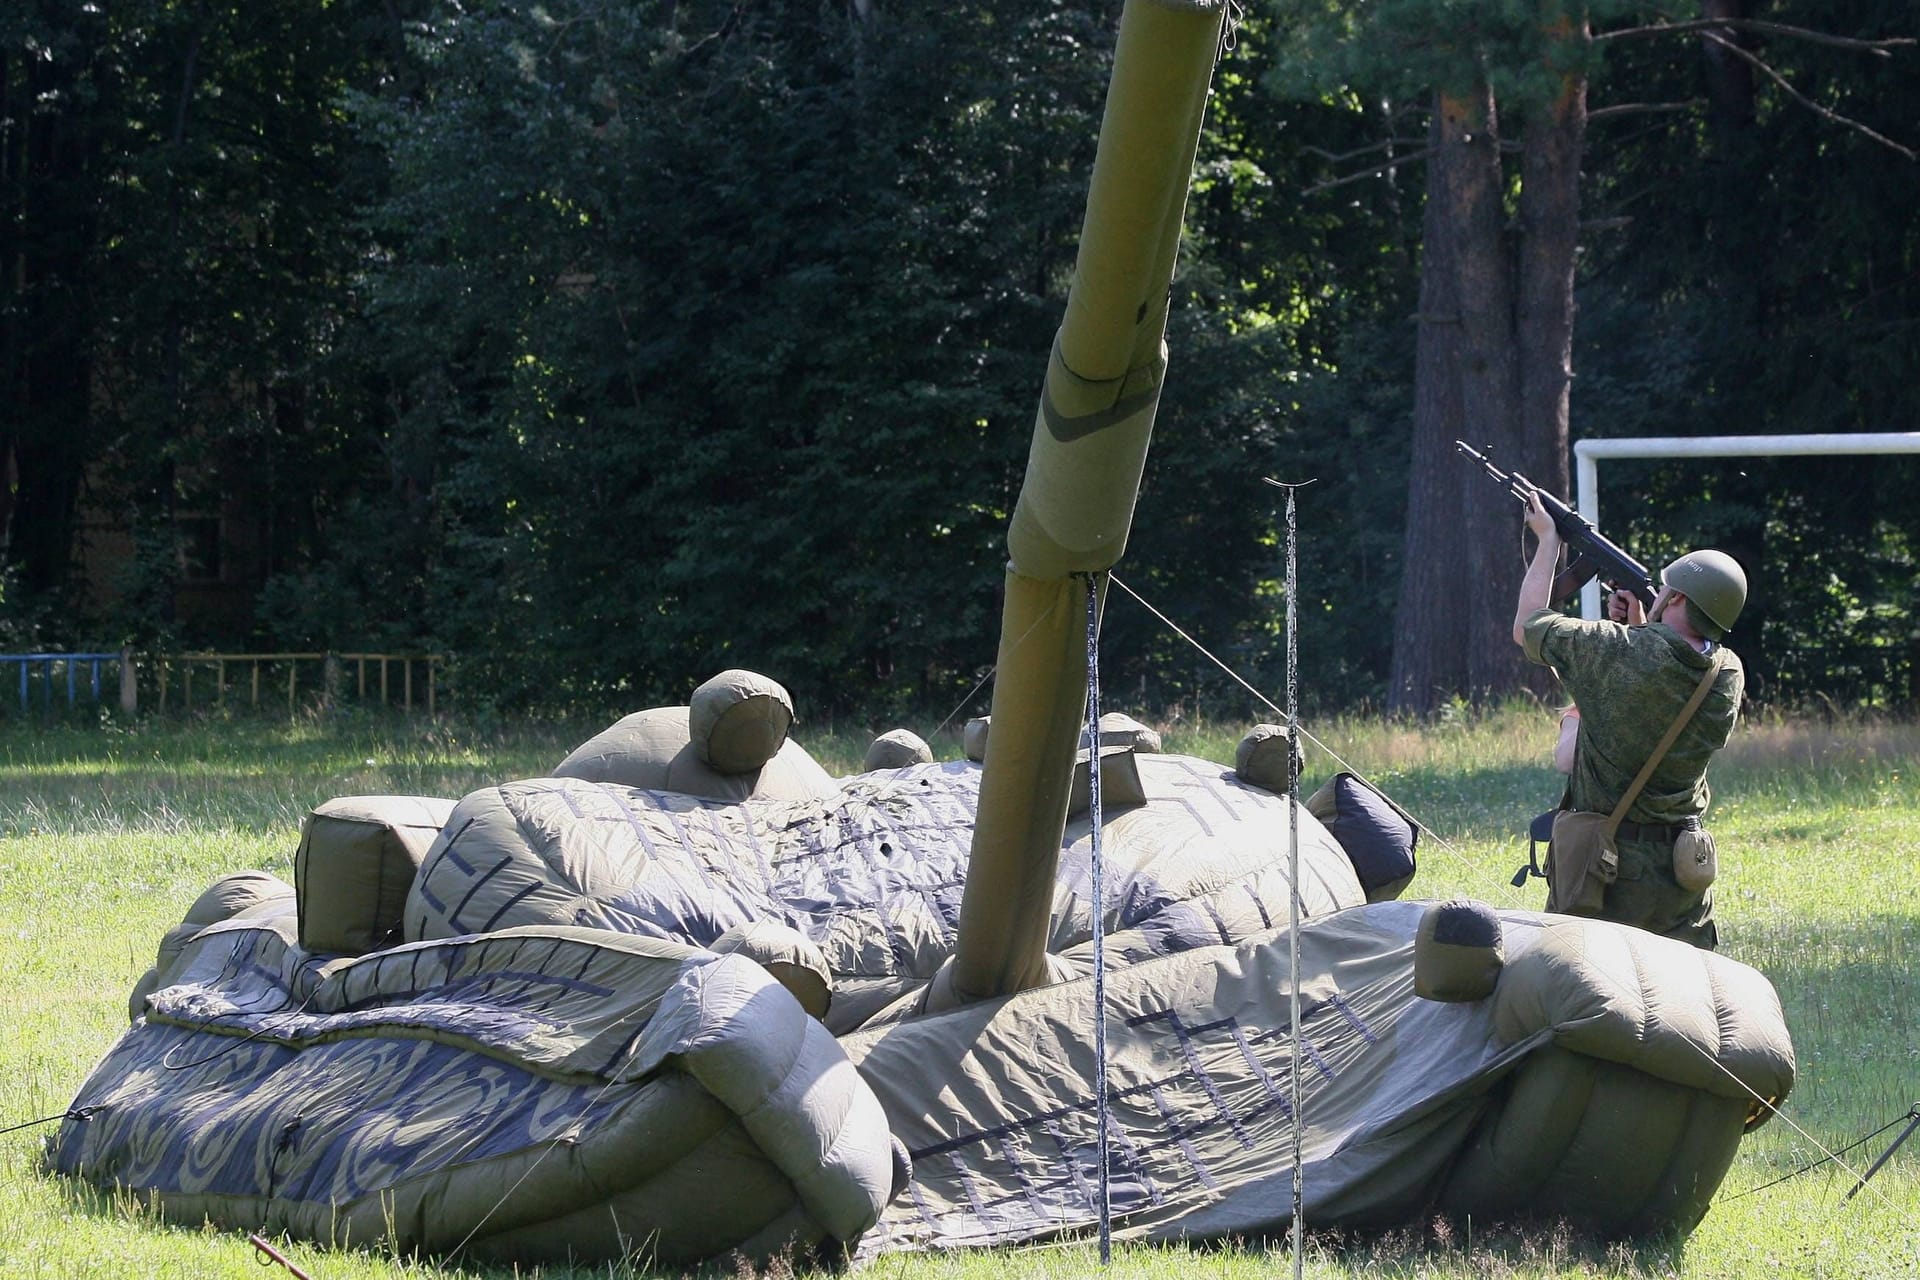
(1493, 367)
(1450, 637)
(1549, 239)
(1430, 632)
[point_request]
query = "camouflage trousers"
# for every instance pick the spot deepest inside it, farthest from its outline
(1647, 896)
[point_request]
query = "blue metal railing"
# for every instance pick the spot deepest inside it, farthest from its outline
(46, 663)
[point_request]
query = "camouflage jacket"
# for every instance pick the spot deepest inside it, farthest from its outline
(1630, 683)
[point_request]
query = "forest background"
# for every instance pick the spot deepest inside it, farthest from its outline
(604, 345)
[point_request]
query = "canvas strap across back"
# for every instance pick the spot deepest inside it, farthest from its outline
(1667, 740)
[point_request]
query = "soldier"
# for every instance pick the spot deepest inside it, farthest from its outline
(1631, 677)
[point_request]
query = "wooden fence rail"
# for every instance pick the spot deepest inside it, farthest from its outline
(172, 677)
(331, 675)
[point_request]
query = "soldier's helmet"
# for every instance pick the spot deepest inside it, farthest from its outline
(1714, 583)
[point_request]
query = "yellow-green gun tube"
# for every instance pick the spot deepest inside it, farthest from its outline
(1083, 477)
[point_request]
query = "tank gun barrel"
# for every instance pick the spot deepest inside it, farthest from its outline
(1076, 503)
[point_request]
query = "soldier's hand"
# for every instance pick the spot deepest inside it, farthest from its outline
(1539, 523)
(1624, 606)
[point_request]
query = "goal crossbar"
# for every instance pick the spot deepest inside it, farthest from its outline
(1589, 453)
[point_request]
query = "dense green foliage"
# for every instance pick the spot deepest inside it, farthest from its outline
(602, 346)
(1766, 280)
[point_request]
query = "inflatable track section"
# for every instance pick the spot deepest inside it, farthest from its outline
(1605, 1080)
(531, 1094)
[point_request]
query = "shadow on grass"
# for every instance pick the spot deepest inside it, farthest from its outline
(1445, 1246)
(1489, 802)
(141, 1212)
(1441, 1248)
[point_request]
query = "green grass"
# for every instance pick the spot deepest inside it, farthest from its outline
(107, 834)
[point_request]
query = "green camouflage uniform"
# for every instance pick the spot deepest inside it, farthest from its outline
(1630, 683)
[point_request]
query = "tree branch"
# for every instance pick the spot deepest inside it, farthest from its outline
(1344, 156)
(1413, 157)
(1826, 113)
(1507, 147)
(1640, 108)
(1761, 26)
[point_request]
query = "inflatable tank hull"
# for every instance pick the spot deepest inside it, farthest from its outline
(546, 1090)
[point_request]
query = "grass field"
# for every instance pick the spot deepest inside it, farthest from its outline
(107, 834)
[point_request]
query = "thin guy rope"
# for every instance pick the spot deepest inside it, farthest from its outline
(1810, 1167)
(1267, 702)
(991, 672)
(76, 1113)
(645, 1014)
(1788, 1121)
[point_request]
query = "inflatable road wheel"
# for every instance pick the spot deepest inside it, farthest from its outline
(738, 720)
(1458, 953)
(896, 749)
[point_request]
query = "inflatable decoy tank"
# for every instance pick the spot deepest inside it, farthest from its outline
(612, 1021)
(690, 997)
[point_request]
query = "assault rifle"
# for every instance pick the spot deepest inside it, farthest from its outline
(1590, 553)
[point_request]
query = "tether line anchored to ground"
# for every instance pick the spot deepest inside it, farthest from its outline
(1769, 1105)
(1911, 1119)
(78, 1113)
(1267, 702)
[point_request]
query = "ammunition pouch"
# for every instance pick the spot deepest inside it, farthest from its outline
(1581, 862)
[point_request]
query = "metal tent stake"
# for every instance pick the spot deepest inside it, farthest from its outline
(1099, 918)
(1297, 1233)
(1913, 1122)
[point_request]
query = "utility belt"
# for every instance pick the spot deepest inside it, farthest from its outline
(1657, 832)
(1583, 857)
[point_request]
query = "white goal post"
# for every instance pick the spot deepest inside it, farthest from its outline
(1588, 453)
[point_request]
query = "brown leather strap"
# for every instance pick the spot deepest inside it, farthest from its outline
(1673, 732)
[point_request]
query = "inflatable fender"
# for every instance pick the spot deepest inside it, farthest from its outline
(533, 1094)
(242, 892)
(1660, 1056)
